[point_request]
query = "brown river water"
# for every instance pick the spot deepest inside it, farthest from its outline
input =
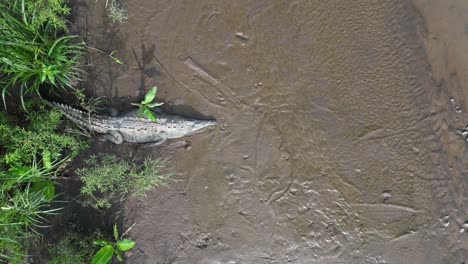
(337, 138)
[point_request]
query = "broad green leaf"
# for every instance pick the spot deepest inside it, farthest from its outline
(125, 244)
(117, 60)
(101, 242)
(16, 172)
(140, 113)
(43, 76)
(51, 78)
(45, 187)
(150, 95)
(116, 232)
(46, 160)
(61, 39)
(103, 256)
(154, 104)
(119, 254)
(150, 114)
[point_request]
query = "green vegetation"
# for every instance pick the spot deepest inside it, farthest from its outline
(43, 12)
(109, 248)
(29, 157)
(32, 54)
(26, 193)
(37, 56)
(37, 139)
(76, 248)
(107, 177)
(146, 105)
(73, 248)
(91, 105)
(114, 58)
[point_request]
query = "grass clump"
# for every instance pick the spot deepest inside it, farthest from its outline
(73, 248)
(26, 194)
(32, 52)
(116, 11)
(107, 177)
(42, 12)
(92, 105)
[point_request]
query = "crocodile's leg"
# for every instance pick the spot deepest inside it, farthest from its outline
(155, 143)
(111, 111)
(112, 136)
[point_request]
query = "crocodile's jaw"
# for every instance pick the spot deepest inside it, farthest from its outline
(199, 125)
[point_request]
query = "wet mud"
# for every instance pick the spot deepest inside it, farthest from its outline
(337, 138)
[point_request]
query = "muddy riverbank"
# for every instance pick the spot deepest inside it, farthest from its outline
(336, 140)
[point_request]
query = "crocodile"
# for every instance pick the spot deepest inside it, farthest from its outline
(129, 128)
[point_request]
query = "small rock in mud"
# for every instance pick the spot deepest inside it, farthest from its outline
(242, 36)
(292, 191)
(386, 195)
(465, 224)
(203, 240)
(444, 221)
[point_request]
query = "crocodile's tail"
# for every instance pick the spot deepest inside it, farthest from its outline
(79, 117)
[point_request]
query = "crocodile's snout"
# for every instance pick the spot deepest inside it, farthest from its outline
(201, 124)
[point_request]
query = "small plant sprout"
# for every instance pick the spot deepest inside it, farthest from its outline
(111, 54)
(115, 59)
(109, 248)
(146, 105)
(91, 105)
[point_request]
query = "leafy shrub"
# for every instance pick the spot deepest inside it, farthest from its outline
(107, 177)
(38, 140)
(32, 55)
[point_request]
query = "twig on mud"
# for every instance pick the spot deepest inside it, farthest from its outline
(127, 231)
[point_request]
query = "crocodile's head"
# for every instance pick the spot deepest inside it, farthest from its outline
(176, 126)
